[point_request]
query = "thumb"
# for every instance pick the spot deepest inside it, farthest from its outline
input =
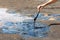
(38, 9)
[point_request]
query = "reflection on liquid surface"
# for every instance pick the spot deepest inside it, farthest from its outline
(13, 23)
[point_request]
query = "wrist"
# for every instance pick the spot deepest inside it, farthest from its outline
(44, 4)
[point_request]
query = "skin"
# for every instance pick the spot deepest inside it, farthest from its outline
(39, 7)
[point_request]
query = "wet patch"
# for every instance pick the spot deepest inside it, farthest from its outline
(13, 23)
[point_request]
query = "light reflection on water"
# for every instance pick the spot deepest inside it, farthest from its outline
(23, 25)
(25, 29)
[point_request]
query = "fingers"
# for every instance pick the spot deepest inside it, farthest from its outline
(40, 7)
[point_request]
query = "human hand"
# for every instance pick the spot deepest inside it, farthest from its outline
(39, 7)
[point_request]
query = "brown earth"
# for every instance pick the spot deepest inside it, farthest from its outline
(29, 7)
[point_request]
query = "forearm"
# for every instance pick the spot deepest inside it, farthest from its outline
(49, 2)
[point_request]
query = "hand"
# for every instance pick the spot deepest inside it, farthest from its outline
(39, 7)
